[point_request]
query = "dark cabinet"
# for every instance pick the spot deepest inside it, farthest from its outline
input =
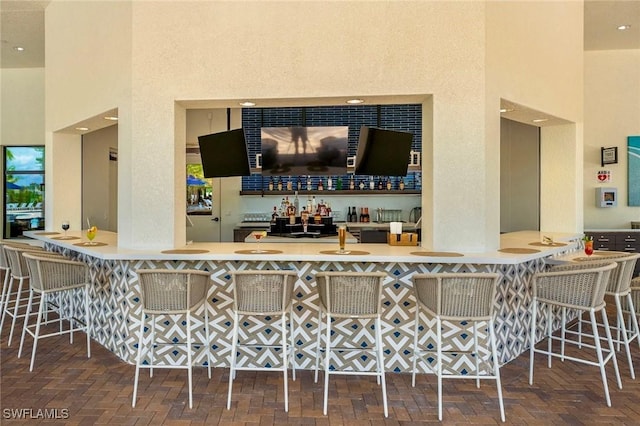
(617, 241)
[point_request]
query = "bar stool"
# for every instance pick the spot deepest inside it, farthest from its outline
(458, 298)
(51, 276)
(582, 290)
(632, 307)
(355, 296)
(18, 272)
(6, 270)
(265, 294)
(171, 292)
(619, 288)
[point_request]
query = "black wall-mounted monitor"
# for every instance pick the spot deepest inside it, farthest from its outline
(383, 152)
(224, 154)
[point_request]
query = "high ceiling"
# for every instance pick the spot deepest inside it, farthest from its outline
(22, 25)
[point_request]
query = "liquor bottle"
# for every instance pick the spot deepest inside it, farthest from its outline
(348, 214)
(309, 183)
(361, 186)
(299, 183)
(320, 185)
(279, 184)
(352, 183)
(289, 184)
(309, 205)
(366, 214)
(274, 215)
(388, 184)
(314, 206)
(330, 184)
(380, 184)
(361, 214)
(401, 184)
(339, 184)
(270, 184)
(354, 215)
(372, 184)
(296, 202)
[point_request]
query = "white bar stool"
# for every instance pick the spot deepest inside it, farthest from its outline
(14, 300)
(582, 290)
(355, 296)
(6, 270)
(619, 288)
(51, 276)
(456, 298)
(263, 294)
(172, 292)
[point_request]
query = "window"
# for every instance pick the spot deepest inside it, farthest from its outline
(23, 189)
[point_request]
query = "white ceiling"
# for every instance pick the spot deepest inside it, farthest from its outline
(22, 24)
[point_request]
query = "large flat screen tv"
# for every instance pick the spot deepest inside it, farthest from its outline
(383, 152)
(304, 150)
(224, 154)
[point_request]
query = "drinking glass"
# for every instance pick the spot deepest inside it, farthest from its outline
(342, 237)
(65, 227)
(91, 234)
(588, 247)
(258, 236)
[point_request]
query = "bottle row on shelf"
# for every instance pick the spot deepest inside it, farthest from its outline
(329, 183)
(291, 209)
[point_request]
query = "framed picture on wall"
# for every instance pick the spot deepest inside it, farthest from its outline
(633, 171)
(608, 155)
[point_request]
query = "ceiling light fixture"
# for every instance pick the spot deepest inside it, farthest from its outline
(540, 120)
(18, 48)
(111, 118)
(624, 27)
(82, 129)
(247, 104)
(506, 110)
(355, 101)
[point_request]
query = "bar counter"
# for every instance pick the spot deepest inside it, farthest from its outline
(116, 306)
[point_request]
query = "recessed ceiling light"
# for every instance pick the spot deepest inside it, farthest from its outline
(18, 48)
(624, 27)
(540, 120)
(247, 104)
(82, 129)
(355, 101)
(111, 118)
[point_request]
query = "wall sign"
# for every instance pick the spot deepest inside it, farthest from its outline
(608, 156)
(604, 175)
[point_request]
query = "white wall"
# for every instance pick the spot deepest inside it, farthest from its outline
(535, 59)
(612, 113)
(446, 52)
(22, 106)
(88, 71)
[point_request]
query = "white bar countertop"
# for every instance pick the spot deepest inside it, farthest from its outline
(527, 242)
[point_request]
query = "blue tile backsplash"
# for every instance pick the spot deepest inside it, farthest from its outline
(406, 118)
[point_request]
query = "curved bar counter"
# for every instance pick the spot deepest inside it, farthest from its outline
(116, 306)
